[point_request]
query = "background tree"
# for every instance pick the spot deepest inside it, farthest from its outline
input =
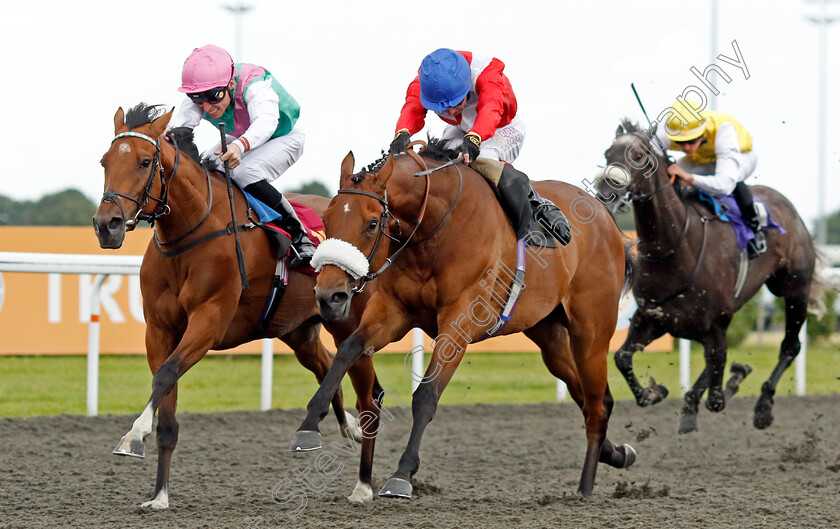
(313, 188)
(65, 208)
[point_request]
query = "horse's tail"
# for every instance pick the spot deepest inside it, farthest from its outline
(629, 266)
(821, 284)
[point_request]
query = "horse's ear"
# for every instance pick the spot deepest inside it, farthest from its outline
(347, 165)
(159, 125)
(387, 168)
(119, 122)
(619, 131)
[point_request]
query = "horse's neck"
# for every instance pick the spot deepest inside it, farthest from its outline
(188, 195)
(660, 219)
(467, 217)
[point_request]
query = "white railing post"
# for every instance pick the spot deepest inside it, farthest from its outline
(800, 363)
(685, 365)
(93, 348)
(267, 370)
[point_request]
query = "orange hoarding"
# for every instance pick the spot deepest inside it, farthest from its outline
(49, 313)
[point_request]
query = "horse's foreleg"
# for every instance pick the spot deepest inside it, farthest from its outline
(795, 314)
(642, 331)
(159, 346)
(311, 353)
(381, 324)
(446, 356)
(715, 354)
(369, 401)
(167, 438)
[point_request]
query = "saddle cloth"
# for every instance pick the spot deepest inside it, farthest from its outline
(270, 219)
(731, 213)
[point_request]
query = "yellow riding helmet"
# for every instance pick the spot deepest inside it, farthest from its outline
(690, 130)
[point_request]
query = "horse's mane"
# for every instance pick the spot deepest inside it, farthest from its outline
(143, 114)
(435, 150)
(630, 126)
(184, 138)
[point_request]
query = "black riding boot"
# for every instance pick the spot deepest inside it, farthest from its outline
(551, 217)
(516, 193)
(271, 197)
(744, 199)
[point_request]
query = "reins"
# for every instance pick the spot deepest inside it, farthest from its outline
(683, 235)
(386, 214)
(163, 207)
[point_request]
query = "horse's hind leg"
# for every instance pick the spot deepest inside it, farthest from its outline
(796, 307)
(590, 330)
(688, 416)
(553, 341)
(642, 331)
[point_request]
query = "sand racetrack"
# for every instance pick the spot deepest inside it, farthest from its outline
(482, 466)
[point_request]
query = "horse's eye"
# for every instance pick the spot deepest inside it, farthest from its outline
(145, 163)
(372, 226)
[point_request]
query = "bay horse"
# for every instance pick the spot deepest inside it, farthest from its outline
(193, 298)
(443, 250)
(687, 269)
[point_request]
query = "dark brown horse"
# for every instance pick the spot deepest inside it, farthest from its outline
(687, 275)
(193, 299)
(450, 250)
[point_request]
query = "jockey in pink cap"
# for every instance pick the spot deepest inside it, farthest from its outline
(262, 118)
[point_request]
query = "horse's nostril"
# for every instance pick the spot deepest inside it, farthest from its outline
(114, 223)
(339, 298)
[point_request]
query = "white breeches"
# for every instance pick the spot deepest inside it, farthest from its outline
(266, 162)
(504, 145)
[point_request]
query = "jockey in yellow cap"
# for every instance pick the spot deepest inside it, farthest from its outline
(718, 158)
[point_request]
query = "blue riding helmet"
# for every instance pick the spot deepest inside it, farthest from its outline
(445, 79)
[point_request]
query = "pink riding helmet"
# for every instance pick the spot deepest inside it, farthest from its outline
(207, 67)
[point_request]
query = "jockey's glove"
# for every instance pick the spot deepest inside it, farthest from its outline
(401, 140)
(471, 145)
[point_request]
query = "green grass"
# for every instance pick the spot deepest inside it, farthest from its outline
(51, 385)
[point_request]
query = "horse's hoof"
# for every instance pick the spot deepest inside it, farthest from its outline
(306, 441)
(652, 394)
(762, 422)
(688, 423)
(629, 455)
(351, 428)
(361, 494)
(396, 488)
(740, 369)
(763, 418)
(716, 401)
(130, 446)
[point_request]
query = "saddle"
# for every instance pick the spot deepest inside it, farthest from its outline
(726, 209)
(267, 219)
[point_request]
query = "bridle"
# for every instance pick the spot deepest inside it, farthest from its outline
(382, 225)
(638, 198)
(162, 208)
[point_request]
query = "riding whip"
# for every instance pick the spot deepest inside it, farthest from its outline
(241, 260)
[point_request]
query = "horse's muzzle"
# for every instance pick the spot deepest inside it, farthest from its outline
(334, 305)
(109, 230)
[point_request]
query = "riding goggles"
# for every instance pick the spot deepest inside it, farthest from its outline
(212, 96)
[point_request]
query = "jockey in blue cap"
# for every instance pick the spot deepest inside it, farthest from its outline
(474, 97)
